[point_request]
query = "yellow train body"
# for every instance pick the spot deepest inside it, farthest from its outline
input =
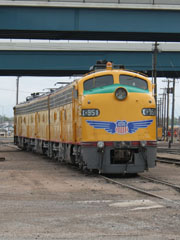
(64, 123)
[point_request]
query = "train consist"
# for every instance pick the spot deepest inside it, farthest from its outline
(105, 121)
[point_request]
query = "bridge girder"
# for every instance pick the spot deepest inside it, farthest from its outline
(93, 23)
(68, 63)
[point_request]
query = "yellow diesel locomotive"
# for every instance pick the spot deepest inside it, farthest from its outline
(104, 121)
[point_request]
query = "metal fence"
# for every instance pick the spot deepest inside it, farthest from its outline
(152, 2)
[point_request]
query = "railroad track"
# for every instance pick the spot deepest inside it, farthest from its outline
(169, 150)
(176, 187)
(173, 151)
(168, 160)
(134, 188)
(9, 145)
(137, 188)
(146, 192)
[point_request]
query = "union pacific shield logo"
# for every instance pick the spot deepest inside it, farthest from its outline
(120, 127)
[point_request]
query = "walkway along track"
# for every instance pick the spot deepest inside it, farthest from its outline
(139, 190)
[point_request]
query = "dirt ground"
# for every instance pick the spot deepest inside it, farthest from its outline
(42, 199)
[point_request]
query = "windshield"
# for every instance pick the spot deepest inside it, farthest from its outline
(98, 82)
(133, 81)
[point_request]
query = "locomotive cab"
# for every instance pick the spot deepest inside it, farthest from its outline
(118, 117)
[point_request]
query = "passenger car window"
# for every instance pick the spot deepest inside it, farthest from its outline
(133, 81)
(98, 82)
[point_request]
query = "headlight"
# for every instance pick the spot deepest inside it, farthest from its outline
(149, 111)
(121, 93)
(143, 143)
(100, 144)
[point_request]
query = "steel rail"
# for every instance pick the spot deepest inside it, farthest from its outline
(139, 190)
(169, 151)
(176, 187)
(169, 161)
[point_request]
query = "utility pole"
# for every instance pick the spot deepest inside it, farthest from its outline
(17, 90)
(167, 123)
(172, 118)
(168, 91)
(154, 71)
(158, 109)
(163, 112)
(160, 112)
(165, 130)
(154, 77)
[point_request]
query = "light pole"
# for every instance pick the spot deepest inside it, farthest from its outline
(154, 70)
(17, 90)
(167, 123)
(172, 118)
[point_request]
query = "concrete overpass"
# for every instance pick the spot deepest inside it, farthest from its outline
(150, 20)
(142, 20)
(69, 58)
